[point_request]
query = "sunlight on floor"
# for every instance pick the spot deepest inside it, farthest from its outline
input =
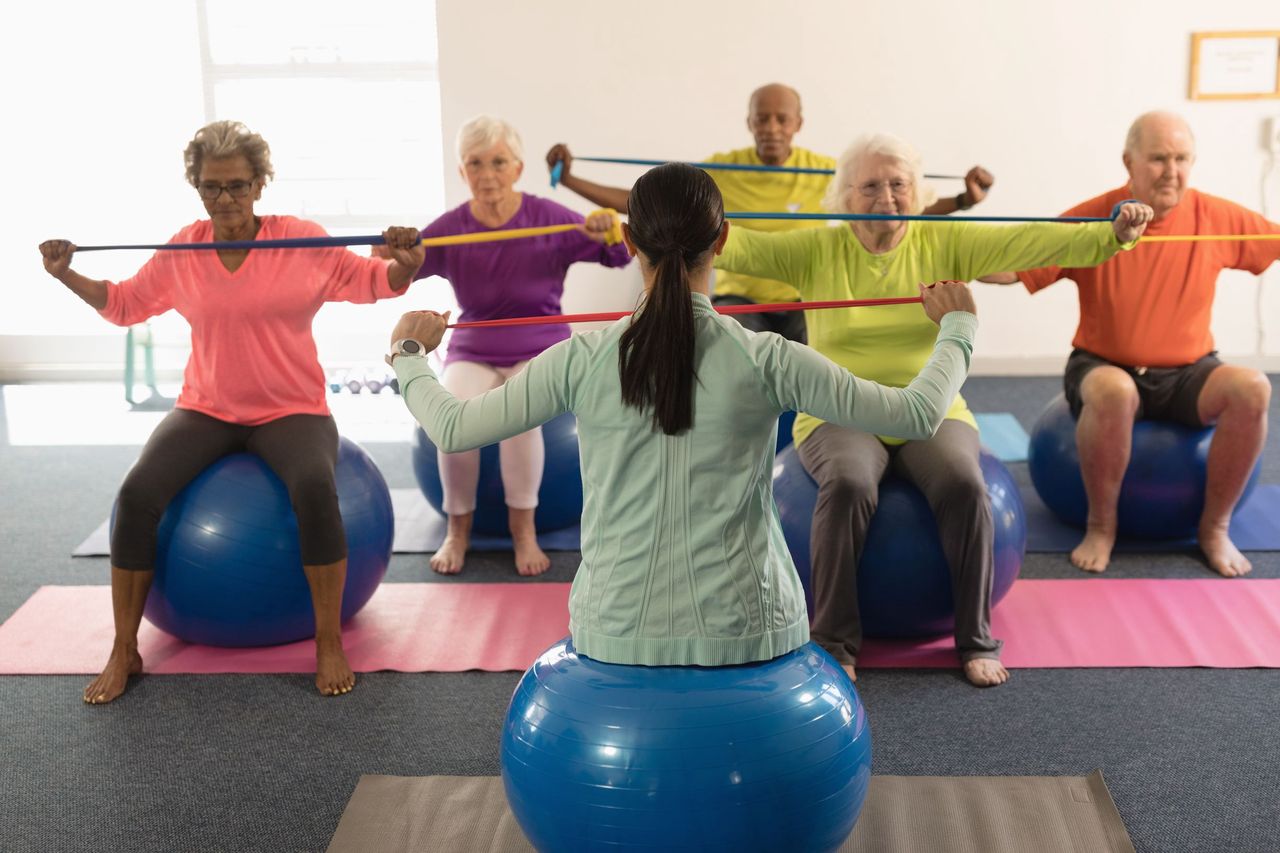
(64, 414)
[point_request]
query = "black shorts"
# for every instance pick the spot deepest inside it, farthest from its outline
(1164, 393)
(789, 324)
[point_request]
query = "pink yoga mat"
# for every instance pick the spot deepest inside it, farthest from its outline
(407, 627)
(452, 627)
(1101, 622)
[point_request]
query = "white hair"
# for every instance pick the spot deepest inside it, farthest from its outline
(1133, 139)
(875, 144)
(223, 139)
(484, 132)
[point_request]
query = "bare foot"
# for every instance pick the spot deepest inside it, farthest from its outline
(985, 672)
(530, 559)
(849, 671)
(333, 674)
(448, 560)
(1094, 552)
(123, 662)
(1223, 556)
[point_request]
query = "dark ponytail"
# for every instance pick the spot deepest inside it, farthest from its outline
(675, 214)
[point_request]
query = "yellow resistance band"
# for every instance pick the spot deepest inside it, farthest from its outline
(612, 237)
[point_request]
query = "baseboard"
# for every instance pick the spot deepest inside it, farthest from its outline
(1053, 365)
(109, 369)
(1017, 366)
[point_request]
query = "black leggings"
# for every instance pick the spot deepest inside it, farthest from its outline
(301, 449)
(789, 324)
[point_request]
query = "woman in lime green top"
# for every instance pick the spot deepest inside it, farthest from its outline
(884, 258)
(683, 559)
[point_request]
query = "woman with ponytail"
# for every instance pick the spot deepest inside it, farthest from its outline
(683, 561)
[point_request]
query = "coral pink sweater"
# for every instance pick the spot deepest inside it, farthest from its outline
(253, 358)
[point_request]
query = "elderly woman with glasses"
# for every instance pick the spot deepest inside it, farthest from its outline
(886, 258)
(253, 382)
(517, 278)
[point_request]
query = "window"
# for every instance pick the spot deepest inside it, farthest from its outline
(350, 105)
(346, 94)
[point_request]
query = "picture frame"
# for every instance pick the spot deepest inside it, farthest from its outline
(1238, 65)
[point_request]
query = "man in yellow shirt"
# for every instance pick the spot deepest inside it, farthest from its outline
(774, 117)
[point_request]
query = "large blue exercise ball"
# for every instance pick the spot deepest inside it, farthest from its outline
(1162, 494)
(559, 496)
(904, 584)
(769, 756)
(228, 564)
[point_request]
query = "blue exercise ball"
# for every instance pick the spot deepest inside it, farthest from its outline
(1162, 494)
(904, 584)
(228, 564)
(559, 496)
(767, 756)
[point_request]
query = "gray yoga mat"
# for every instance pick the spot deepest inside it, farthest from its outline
(902, 814)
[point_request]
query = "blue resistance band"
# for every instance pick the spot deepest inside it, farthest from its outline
(557, 171)
(377, 239)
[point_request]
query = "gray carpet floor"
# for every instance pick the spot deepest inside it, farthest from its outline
(260, 762)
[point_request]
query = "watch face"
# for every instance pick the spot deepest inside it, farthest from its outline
(410, 347)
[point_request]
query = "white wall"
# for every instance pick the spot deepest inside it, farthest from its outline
(1040, 93)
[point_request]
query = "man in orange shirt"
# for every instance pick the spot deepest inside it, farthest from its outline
(1144, 349)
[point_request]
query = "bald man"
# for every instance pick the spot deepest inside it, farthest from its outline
(774, 117)
(1144, 349)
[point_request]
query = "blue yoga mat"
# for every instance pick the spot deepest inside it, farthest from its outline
(1255, 527)
(1001, 433)
(420, 529)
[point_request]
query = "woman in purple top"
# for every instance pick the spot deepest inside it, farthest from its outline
(520, 278)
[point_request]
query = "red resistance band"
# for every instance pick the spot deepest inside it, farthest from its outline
(761, 308)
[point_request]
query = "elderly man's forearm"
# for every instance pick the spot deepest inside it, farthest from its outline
(611, 197)
(942, 207)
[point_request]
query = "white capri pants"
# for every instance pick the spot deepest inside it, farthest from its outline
(520, 457)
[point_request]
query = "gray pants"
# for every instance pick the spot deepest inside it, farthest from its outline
(848, 466)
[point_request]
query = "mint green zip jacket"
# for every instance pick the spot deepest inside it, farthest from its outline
(683, 559)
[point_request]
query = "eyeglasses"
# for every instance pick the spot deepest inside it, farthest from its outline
(897, 187)
(210, 190)
(500, 164)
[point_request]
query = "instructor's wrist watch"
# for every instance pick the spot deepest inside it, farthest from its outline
(406, 346)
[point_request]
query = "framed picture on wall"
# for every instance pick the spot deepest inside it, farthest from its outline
(1235, 65)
